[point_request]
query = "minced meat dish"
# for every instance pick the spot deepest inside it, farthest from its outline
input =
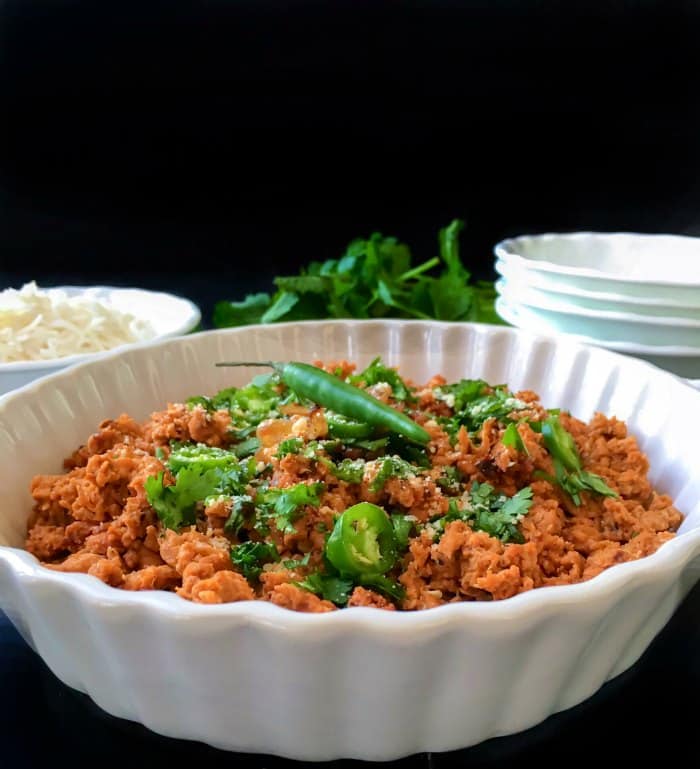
(260, 492)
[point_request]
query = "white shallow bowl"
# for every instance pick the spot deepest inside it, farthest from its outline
(608, 326)
(538, 290)
(678, 359)
(169, 316)
(661, 267)
(358, 683)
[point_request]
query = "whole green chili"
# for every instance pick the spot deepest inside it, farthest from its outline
(333, 393)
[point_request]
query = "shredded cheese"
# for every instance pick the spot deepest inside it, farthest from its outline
(38, 324)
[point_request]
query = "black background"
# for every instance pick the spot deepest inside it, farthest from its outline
(232, 141)
(204, 147)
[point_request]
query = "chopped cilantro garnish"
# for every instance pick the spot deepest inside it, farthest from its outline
(485, 509)
(391, 467)
(349, 470)
(474, 401)
(290, 446)
(246, 448)
(297, 563)
(332, 588)
(249, 557)
(284, 505)
(497, 514)
(377, 372)
(385, 585)
(403, 525)
(449, 481)
(242, 509)
(247, 405)
(175, 504)
(200, 472)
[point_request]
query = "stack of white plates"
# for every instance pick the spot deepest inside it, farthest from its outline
(637, 294)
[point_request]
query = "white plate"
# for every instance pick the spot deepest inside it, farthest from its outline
(621, 324)
(358, 683)
(540, 287)
(681, 360)
(639, 265)
(611, 326)
(168, 315)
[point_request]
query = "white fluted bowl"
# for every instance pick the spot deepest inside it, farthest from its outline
(357, 683)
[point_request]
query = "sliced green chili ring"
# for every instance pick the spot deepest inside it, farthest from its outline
(344, 428)
(200, 454)
(362, 543)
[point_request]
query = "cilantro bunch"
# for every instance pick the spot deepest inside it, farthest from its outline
(375, 278)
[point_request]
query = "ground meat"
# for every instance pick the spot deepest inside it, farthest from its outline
(152, 578)
(363, 597)
(292, 597)
(95, 517)
(222, 587)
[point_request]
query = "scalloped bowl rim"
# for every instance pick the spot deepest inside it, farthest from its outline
(189, 322)
(670, 557)
(505, 250)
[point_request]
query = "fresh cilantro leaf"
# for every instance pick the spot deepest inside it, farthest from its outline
(448, 239)
(349, 470)
(242, 510)
(485, 509)
(377, 372)
(285, 504)
(199, 400)
(249, 558)
(449, 481)
(334, 589)
(385, 585)
(391, 467)
(250, 310)
(175, 504)
(451, 300)
(280, 307)
(300, 284)
(416, 455)
(247, 447)
(474, 401)
(290, 446)
(514, 508)
(297, 563)
(403, 526)
(497, 514)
